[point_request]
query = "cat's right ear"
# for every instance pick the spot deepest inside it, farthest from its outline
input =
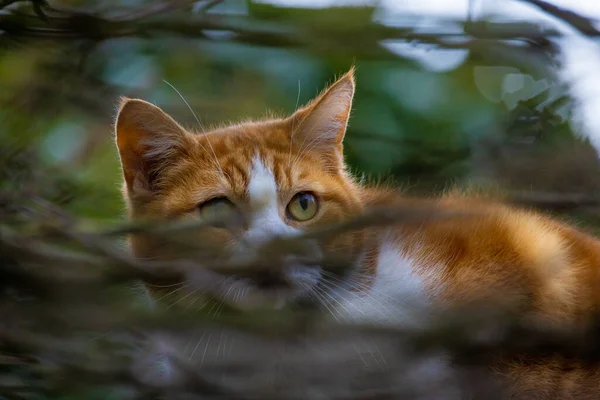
(149, 141)
(322, 123)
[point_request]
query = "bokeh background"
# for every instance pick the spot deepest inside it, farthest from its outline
(461, 93)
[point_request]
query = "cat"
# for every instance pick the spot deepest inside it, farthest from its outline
(287, 176)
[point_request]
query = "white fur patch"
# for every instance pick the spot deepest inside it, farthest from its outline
(397, 296)
(262, 188)
(266, 222)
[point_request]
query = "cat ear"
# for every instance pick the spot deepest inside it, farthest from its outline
(324, 120)
(149, 141)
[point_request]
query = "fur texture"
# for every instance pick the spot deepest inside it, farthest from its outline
(523, 262)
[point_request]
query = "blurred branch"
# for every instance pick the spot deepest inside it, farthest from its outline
(97, 28)
(584, 25)
(555, 201)
(6, 3)
(64, 299)
(158, 8)
(493, 40)
(208, 5)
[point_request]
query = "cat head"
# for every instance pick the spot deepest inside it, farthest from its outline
(284, 176)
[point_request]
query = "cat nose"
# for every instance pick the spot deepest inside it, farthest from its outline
(271, 279)
(306, 252)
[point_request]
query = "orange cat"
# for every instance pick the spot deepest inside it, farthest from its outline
(287, 176)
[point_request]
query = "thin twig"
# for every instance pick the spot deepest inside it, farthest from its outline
(208, 5)
(584, 25)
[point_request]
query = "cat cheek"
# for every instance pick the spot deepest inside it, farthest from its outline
(204, 243)
(341, 251)
(302, 277)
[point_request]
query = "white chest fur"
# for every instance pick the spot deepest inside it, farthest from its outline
(397, 296)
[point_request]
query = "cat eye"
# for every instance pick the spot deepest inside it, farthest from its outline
(217, 210)
(303, 206)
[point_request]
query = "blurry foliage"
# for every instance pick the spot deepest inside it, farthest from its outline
(499, 119)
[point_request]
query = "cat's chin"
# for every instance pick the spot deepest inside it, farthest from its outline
(246, 295)
(266, 299)
(255, 298)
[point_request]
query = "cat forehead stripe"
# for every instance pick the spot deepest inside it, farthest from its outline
(266, 221)
(262, 187)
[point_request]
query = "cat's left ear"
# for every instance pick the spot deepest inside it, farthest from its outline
(149, 143)
(324, 120)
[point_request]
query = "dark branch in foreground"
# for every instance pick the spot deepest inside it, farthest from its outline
(78, 336)
(582, 24)
(78, 25)
(555, 201)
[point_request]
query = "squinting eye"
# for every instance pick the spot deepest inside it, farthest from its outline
(303, 207)
(216, 210)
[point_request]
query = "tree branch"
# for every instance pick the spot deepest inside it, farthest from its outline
(584, 25)
(93, 27)
(555, 201)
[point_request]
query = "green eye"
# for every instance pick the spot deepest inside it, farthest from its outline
(304, 206)
(217, 210)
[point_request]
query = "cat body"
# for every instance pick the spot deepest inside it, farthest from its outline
(288, 177)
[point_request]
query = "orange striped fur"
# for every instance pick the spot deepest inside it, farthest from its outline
(492, 253)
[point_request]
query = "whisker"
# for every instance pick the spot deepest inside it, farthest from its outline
(172, 292)
(332, 285)
(381, 307)
(205, 350)
(313, 294)
(219, 346)
(224, 346)
(341, 284)
(231, 346)
(353, 281)
(226, 294)
(196, 348)
(193, 302)
(166, 286)
(347, 280)
(361, 357)
(219, 310)
(381, 356)
(326, 303)
(185, 349)
(338, 302)
(245, 292)
(186, 103)
(240, 294)
(375, 358)
(216, 303)
(373, 355)
(183, 298)
(204, 304)
(206, 135)
(203, 130)
(237, 295)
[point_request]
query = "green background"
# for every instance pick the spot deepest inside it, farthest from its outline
(500, 119)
